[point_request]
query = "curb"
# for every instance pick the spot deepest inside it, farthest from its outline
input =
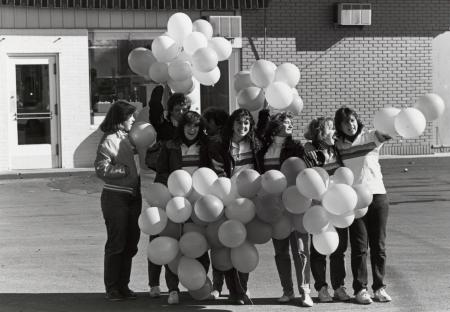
(48, 173)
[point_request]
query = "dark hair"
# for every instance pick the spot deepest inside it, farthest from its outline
(119, 112)
(274, 125)
(263, 121)
(316, 129)
(343, 114)
(156, 110)
(219, 115)
(240, 114)
(191, 118)
(177, 99)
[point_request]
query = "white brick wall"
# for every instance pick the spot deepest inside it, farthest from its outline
(78, 138)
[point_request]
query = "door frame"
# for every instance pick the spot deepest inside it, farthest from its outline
(55, 124)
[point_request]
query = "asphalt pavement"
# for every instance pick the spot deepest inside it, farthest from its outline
(52, 237)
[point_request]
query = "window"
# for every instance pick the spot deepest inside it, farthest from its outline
(110, 76)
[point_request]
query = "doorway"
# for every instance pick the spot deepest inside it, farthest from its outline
(34, 122)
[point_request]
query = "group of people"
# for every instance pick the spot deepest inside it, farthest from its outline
(229, 144)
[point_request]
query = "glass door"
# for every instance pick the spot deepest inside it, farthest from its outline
(34, 121)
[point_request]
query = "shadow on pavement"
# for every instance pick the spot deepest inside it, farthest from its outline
(90, 302)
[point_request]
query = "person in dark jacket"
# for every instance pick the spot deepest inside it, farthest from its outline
(235, 151)
(186, 151)
(278, 145)
(121, 199)
(166, 129)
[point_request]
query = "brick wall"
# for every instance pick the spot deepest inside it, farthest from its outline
(367, 68)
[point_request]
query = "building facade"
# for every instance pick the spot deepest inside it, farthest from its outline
(62, 60)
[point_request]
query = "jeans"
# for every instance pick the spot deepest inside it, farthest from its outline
(218, 278)
(121, 212)
(154, 270)
(300, 253)
(236, 283)
(337, 263)
(370, 232)
(172, 280)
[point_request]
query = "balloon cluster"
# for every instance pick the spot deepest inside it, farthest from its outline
(187, 51)
(231, 216)
(267, 82)
(409, 122)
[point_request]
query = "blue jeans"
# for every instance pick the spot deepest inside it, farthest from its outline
(337, 263)
(121, 212)
(370, 232)
(299, 243)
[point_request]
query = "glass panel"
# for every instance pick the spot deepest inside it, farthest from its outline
(33, 104)
(216, 95)
(111, 77)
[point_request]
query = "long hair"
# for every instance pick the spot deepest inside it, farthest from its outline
(219, 115)
(343, 114)
(274, 126)
(119, 112)
(192, 118)
(316, 129)
(240, 114)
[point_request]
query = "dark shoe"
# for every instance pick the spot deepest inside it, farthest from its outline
(128, 293)
(114, 295)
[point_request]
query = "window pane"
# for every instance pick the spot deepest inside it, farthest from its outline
(217, 95)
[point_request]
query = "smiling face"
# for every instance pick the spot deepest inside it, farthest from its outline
(286, 128)
(191, 131)
(349, 126)
(241, 128)
(127, 124)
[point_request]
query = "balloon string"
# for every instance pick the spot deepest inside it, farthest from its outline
(242, 287)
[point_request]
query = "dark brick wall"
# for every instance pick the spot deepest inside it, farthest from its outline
(367, 68)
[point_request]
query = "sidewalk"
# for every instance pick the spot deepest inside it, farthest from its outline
(52, 237)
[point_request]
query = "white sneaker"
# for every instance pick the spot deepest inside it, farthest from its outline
(286, 298)
(381, 295)
(155, 292)
(215, 294)
(307, 301)
(173, 297)
(363, 297)
(324, 295)
(340, 294)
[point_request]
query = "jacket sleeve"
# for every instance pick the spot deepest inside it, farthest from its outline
(105, 165)
(217, 156)
(162, 166)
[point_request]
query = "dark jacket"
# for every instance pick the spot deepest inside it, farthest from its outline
(291, 148)
(221, 160)
(170, 159)
(319, 154)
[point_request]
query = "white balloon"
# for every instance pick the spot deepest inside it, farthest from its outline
(296, 105)
(288, 73)
(279, 95)
(179, 26)
(251, 98)
(140, 60)
(194, 41)
(327, 241)
(205, 59)
(241, 209)
(431, 105)
(204, 27)
(410, 123)
(207, 78)
(384, 120)
(222, 47)
(242, 80)
(165, 49)
(178, 209)
(159, 72)
(339, 199)
(180, 70)
(182, 86)
(262, 73)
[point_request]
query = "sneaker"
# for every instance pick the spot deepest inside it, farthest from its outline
(340, 294)
(155, 292)
(324, 295)
(363, 297)
(215, 294)
(286, 298)
(307, 301)
(128, 293)
(173, 297)
(381, 295)
(114, 295)
(242, 300)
